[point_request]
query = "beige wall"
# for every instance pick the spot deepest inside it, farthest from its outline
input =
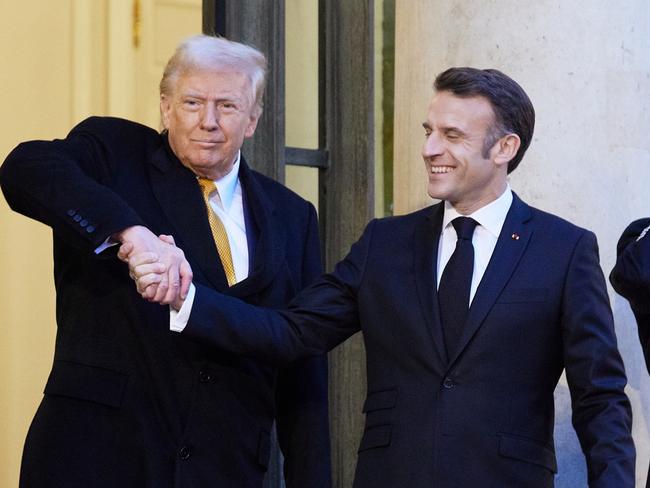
(301, 91)
(36, 52)
(586, 68)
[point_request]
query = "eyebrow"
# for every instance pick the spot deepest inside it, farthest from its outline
(445, 130)
(183, 97)
(200, 96)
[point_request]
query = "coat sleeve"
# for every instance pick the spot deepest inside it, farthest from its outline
(631, 277)
(302, 420)
(321, 317)
(65, 184)
(602, 416)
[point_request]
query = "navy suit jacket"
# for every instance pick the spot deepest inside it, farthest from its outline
(483, 417)
(128, 403)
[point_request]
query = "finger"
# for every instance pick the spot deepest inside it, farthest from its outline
(149, 292)
(145, 282)
(167, 238)
(145, 269)
(124, 251)
(163, 286)
(143, 258)
(174, 285)
(178, 303)
(186, 278)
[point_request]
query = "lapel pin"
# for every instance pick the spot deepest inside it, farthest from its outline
(515, 236)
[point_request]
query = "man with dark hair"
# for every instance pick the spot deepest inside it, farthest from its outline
(127, 404)
(631, 278)
(513, 111)
(470, 311)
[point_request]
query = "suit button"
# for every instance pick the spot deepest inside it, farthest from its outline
(448, 383)
(184, 453)
(90, 229)
(71, 213)
(83, 223)
(205, 377)
(76, 218)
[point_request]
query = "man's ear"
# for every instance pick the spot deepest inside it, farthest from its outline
(505, 149)
(165, 109)
(252, 122)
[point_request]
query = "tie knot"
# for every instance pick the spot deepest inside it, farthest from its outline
(464, 227)
(207, 186)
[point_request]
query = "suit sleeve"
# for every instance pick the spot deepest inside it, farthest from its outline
(602, 415)
(302, 419)
(631, 277)
(321, 317)
(65, 185)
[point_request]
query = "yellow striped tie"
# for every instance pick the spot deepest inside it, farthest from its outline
(218, 231)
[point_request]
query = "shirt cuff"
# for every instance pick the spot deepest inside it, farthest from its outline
(178, 318)
(109, 242)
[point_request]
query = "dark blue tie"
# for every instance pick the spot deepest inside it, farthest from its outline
(455, 283)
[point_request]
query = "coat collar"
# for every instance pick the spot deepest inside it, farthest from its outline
(271, 236)
(176, 190)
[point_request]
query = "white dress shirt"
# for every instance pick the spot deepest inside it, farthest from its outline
(490, 220)
(229, 207)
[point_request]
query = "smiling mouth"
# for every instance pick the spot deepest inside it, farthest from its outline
(437, 170)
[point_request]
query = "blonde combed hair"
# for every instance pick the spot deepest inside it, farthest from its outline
(209, 53)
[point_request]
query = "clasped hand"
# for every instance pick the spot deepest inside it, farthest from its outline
(159, 268)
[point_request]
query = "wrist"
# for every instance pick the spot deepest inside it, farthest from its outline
(129, 234)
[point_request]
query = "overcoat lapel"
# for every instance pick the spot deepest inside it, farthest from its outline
(271, 240)
(425, 256)
(512, 243)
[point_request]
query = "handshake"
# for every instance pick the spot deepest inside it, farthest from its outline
(160, 270)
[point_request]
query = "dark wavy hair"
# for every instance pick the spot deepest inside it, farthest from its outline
(513, 110)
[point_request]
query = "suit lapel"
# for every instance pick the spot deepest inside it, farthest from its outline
(179, 196)
(510, 247)
(425, 255)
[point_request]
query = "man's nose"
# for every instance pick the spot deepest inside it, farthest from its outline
(432, 146)
(210, 117)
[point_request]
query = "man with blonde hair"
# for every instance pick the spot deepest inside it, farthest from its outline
(128, 404)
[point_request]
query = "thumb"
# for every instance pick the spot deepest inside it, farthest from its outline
(124, 251)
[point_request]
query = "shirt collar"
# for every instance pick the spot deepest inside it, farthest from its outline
(227, 185)
(491, 216)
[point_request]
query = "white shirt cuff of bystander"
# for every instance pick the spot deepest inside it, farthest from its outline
(178, 318)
